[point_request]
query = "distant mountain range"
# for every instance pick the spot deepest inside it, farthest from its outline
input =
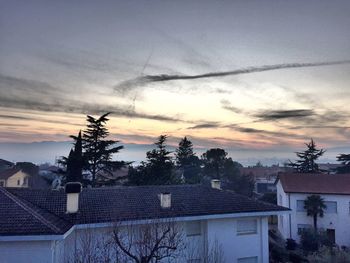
(49, 151)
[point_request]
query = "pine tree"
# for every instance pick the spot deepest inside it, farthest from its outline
(98, 151)
(158, 168)
(188, 162)
(160, 163)
(307, 159)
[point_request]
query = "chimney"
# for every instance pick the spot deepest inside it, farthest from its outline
(72, 190)
(165, 200)
(216, 184)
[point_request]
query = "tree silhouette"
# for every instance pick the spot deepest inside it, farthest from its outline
(307, 159)
(214, 161)
(98, 151)
(188, 162)
(218, 166)
(314, 205)
(158, 168)
(75, 162)
(345, 161)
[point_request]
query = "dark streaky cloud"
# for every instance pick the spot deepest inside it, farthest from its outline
(284, 114)
(140, 81)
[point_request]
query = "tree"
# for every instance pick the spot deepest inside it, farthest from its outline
(187, 161)
(214, 161)
(151, 242)
(158, 168)
(98, 151)
(218, 166)
(345, 161)
(75, 162)
(307, 159)
(314, 205)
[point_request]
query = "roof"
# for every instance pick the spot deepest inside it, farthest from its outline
(5, 163)
(115, 204)
(6, 174)
(316, 183)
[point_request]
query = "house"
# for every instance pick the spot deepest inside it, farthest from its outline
(38, 225)
(293, 189)
(264, 177)
(13, 177)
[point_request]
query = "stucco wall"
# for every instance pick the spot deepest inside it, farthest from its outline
(224, 232)
(26, 252)
(19, 176)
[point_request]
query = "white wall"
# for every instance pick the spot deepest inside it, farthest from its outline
(26, 252)
(224, 231)
(339, 221)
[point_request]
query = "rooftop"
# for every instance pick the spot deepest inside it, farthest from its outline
(7, 173)
(316, 183)
(114, 204)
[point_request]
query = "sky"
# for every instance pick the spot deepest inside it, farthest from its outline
(61, 60)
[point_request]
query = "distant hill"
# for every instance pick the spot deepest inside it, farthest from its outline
(48, 151)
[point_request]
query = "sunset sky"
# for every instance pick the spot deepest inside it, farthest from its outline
(61, 60)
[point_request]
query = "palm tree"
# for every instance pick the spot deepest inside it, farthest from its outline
(314, 205)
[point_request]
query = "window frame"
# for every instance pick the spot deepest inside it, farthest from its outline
(250, 232)
(297, 207)
(187, 225)
(256, 258)
(336, 207)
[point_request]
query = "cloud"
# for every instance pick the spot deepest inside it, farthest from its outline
(227, 106)
(208, 125)
(27, 94)
(144, 80)
(284, 114)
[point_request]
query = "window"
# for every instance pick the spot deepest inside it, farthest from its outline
(331, 207)
(2, 183)
(248, 260)
(193, 228)
(18, 182)
(303, 227)
(300, 206)
(247, 226)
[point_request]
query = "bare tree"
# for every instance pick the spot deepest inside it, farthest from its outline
(214, 253)
(91, 247)
(150, 242)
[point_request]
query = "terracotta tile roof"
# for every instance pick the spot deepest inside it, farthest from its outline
(5, 174)
(316, 183)
(102, 205)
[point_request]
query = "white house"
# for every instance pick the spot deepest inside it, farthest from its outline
(293, 189)
(55, 225)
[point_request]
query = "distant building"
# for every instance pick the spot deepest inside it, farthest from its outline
(13, 177)
(50, 225)
(293, 189)
(264, 177)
